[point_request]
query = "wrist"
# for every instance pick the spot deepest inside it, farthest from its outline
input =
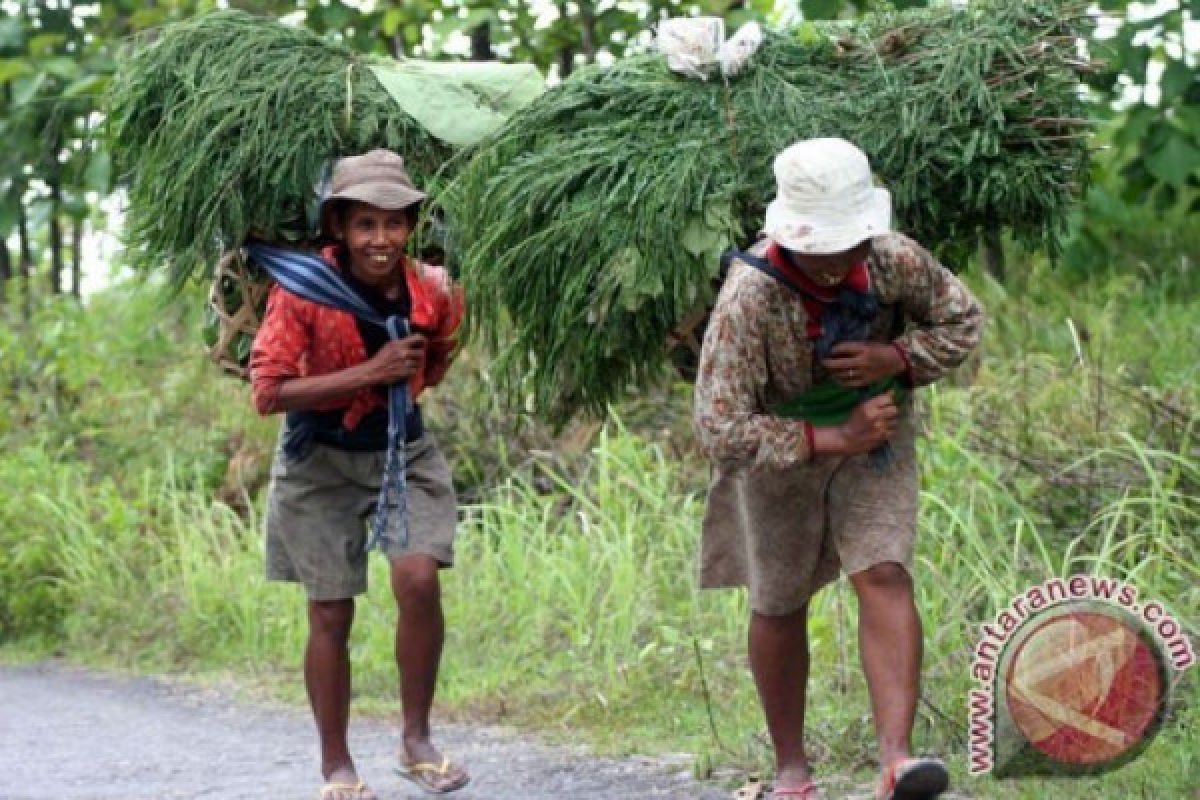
(363, 376)
(901, 364)
(828, 441)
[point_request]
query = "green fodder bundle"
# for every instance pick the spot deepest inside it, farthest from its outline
(592, 223)
(222, 125)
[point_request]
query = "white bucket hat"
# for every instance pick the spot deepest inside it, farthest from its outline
(826, 201)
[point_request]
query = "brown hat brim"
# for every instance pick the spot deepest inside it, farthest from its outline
(388, 196)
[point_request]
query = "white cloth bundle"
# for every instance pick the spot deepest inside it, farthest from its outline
(696, 46)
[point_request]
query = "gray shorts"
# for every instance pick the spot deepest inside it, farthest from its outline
(319, 508)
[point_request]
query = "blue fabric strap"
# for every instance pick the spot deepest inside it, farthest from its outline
(308, 276)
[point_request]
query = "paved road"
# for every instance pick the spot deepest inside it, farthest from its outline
(67, 734)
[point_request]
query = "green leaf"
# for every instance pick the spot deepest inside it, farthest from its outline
(1130, 58)
(335, 16)
(1175, 161)
(45, 43)
(1188, 119)
(1137, 122)
(150, 17)
(1165, 197)
(11, 34)
(61, 67)
(698, 239)
(27, 89)
(13, 68)
(392, 20)
(1176, 79)
(821, 9)
(98, 175)
(75, 207)
(88, 85)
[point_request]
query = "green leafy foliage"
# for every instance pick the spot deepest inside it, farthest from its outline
(222, 125)
(1160, 143)
(593, 221)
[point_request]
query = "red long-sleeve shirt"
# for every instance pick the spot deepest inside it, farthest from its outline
(299, 338)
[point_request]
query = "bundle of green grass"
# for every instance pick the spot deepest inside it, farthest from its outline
(222, 126)
(592, 224)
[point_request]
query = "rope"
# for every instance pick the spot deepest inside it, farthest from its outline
(730, 118)
(349, 95)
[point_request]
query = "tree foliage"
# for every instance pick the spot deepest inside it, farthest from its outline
(56, 60)
(1150, 85)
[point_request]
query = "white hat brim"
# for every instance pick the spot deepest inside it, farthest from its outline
(818, 233)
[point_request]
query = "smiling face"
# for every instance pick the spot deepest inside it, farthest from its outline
(374, 239)
(831, 269)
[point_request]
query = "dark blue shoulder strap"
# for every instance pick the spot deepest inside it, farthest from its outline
(762, 265)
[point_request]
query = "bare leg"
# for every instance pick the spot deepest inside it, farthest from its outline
(889, 640)
(779, 661)
(327, 679)
(420, 633)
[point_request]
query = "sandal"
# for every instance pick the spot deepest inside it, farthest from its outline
(805, 791)
(754, 790)
(347, 791)
(427, 774)
(913, 779)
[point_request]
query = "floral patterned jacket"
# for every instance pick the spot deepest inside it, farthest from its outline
(756, 352)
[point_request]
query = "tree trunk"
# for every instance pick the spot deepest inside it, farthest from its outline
(481, 42)
(25, 262)
(6, 269)
(588, 30)
(566, 62)
(566, 55)
(56, 239)
(993, 255)
(77, 258)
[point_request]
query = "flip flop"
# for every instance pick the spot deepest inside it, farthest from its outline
(426, 773)
(805, 791)
(754, 790)
(357, 791)
(913, 779)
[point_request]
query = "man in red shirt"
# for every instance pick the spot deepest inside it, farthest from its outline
(329, 371)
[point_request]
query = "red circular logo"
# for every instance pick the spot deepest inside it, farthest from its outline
(1084, 687)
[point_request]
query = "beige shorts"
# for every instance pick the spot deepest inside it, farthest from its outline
(784, 534)
(319, 508)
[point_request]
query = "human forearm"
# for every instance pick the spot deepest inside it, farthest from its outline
(947, 319)
(871, 424)
(752, 439)
(300, 394)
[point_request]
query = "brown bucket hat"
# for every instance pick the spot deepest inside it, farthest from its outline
(377, 178)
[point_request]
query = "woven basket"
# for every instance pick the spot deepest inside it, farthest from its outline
(236, 304)
(685, 340)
